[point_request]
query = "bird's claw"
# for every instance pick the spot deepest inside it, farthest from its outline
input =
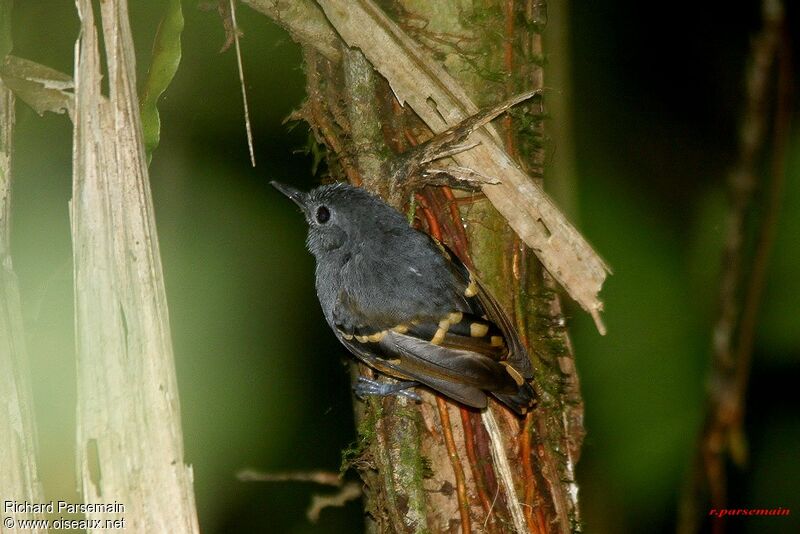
(366, 387)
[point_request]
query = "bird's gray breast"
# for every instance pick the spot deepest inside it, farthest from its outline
(373, 289)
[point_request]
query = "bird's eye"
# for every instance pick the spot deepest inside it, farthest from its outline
(323, 215)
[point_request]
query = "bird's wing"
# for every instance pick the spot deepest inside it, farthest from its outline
(461, 354)
(404, 367)
(482, 304)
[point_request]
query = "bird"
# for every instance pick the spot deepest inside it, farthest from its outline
(406, 306)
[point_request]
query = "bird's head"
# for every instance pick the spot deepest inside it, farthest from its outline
(340, 213)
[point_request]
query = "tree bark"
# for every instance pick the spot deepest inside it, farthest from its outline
(436, 466)
(129, 439)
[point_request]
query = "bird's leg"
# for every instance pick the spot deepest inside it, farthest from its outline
(366, 387)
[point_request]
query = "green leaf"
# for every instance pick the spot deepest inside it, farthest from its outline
(164, 64)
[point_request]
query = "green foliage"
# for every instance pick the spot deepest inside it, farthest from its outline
(166, 57)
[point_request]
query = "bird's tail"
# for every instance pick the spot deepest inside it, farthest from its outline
(522, 401)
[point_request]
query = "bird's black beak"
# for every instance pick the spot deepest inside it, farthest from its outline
(297, 196)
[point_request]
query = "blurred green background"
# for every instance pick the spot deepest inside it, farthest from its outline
(656, 97)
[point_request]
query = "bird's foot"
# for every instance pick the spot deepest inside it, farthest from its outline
(366, 387)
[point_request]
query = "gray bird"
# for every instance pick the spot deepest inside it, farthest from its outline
(406, 306)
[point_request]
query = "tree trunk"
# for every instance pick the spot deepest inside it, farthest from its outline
(129, 440)
(436, 466)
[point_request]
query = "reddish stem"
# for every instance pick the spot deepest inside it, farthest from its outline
(433, 225)
(477, 474)
(458, 469)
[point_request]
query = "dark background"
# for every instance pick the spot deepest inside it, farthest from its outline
(657, 93)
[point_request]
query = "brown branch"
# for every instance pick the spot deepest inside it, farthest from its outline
(325, 478)
(474, 462)
(413, 170)
(460, 245)
(743, 268)
(433, 224)
(769, 226)
(458, 469)
(348, 492)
